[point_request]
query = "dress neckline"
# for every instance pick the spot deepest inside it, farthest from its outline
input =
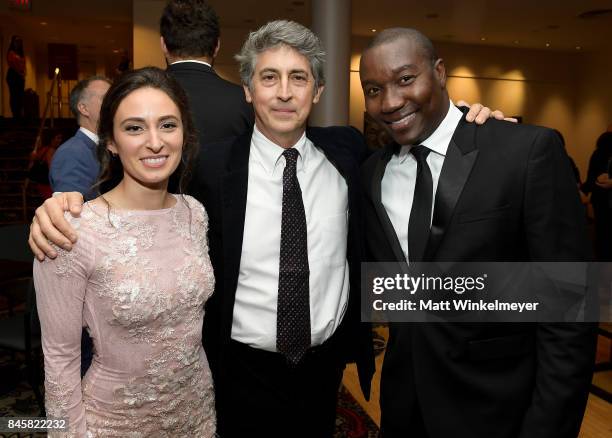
(125, 212)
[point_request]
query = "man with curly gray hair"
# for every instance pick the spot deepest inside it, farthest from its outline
(285, 237)
(282, 32)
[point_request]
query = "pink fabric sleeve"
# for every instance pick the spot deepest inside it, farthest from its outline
(60, 292)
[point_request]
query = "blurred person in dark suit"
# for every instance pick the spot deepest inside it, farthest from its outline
(599, 185)
(190, 40)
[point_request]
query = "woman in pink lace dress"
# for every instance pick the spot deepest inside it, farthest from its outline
(137, 279)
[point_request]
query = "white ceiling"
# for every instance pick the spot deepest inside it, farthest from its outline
(518, 23)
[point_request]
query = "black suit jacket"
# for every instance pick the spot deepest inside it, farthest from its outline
(220, 183)
(218, 107)
(505, 193)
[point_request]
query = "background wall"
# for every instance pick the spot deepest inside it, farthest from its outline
(147, 49)
(562, 90)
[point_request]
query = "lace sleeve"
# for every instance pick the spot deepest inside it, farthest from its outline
(60, 291)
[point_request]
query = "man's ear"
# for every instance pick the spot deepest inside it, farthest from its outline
(440, 71)
(83, 110)
(163, 46)
(317, 95)
(247, 94)
(216, 51)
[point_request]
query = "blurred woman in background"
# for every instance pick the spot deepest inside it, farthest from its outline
(15, 76)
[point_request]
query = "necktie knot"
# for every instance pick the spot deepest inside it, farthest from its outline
(420, 215)
(420, 152)
(291, 155)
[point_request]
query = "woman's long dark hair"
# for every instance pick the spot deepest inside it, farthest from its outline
(111, 170)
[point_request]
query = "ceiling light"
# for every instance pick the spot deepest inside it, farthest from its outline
(43, 23)
(373, 30)
(483, 39)
(578, 47)
(547, 44)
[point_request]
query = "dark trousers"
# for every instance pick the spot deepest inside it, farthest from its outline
(260, 395)
(16, 85)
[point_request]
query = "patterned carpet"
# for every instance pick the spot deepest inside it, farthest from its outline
(17, 399)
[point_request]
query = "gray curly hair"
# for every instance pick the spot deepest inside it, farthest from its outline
(276, 33)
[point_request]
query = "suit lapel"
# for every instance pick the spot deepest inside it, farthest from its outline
(383, 217)
(460, 158)
(234, 186)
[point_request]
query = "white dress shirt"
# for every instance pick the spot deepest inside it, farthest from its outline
(92, 135)
(399, 180)
(325, 197)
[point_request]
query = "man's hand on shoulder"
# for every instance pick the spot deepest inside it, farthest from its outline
(480, 114)
(49, 224)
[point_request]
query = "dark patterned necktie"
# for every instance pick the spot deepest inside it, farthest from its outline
(293, 307)
(420, 215)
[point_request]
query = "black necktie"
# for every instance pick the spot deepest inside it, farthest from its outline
(293, 307)
(420, 215)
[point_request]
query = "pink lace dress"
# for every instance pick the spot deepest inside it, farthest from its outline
(137, 280)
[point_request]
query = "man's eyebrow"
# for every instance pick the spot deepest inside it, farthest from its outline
(274, 70)
(404, 67)
(268, 70)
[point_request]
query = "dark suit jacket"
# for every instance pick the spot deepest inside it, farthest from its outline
(221, 185)
(218, 107)
(505, 193)
(74, 167)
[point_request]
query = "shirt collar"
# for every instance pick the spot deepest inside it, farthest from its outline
(191, 60)
(439, 140)
(88, 133)
(269, 153)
